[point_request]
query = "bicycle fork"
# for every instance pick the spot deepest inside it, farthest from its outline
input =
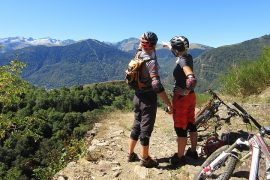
(223, 156)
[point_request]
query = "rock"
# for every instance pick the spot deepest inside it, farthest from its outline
(116, 174)
(97, 125)
(117, 168)
(62, 178)
(141, 172)
(105, 143)
(115, 163)
(94, 142)
(71, 164)
(94, 154)
(118, 133)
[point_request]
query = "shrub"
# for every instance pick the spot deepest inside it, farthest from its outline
(248, 78)
(201, 99)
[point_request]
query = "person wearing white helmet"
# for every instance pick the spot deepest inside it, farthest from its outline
(184, 99)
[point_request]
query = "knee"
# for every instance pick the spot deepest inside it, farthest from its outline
(134, 135)
(191, 127)
(181, 132)
(144, 140)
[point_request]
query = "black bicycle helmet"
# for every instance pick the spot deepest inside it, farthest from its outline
(149, 38)
(179, 43)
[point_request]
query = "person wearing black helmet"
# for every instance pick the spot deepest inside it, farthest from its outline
(184, 99)
(145, 100)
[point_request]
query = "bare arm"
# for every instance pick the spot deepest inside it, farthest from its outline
(187, 70)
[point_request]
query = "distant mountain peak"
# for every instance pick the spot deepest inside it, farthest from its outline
(18, 42)
(199, 46)
(128, 45)
(131, 44)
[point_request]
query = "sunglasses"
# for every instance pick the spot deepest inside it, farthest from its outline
(146, 45)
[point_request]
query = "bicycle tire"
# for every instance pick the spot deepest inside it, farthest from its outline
(199, 121)
(226, 171)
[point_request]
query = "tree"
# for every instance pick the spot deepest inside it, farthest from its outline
(12, 88)
(11, 85)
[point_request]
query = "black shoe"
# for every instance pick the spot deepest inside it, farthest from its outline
(176, 161)
(149, 162)
(133, 157)
(192, 154)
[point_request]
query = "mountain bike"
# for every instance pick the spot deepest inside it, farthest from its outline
(209, 112)
(221, 164)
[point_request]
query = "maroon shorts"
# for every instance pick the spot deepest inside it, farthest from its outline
(184, 110)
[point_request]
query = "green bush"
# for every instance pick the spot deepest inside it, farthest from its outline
(80, 131)
(248, 78)
(42, 130)
(12, 87)
(202, 98)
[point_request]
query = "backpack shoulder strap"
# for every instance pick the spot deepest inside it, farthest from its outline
(137, 54)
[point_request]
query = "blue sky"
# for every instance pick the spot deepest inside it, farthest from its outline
(210, 22)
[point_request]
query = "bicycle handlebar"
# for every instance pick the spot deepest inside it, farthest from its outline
(231, 113)
(240, 108)
(247, 116)
(215, 96)
(213, 108)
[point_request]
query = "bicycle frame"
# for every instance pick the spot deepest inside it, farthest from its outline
(256, 144)
(258, 147)
(208, 170)
(210, 112)
(212, 104)
(211, 108)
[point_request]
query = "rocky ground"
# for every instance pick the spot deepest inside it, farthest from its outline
(106, 157)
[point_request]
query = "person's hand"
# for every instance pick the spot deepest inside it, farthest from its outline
(169, 109)
(191, 82)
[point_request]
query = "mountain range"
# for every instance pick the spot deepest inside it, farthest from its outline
(13, 43)
(82, 62)
(214, 62)
(88, 61)
(56, 63)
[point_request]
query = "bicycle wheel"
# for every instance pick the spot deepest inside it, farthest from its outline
(199, 121)
(223, 172)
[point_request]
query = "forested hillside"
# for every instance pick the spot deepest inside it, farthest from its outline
(248, 78)
(41, 130)
(81, 63)
(210, 64)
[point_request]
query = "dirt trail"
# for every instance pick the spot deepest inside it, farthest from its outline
(107, 152)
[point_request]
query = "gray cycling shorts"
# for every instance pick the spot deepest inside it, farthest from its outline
(145, 109)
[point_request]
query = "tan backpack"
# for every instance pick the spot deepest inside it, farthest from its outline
(133, 72)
